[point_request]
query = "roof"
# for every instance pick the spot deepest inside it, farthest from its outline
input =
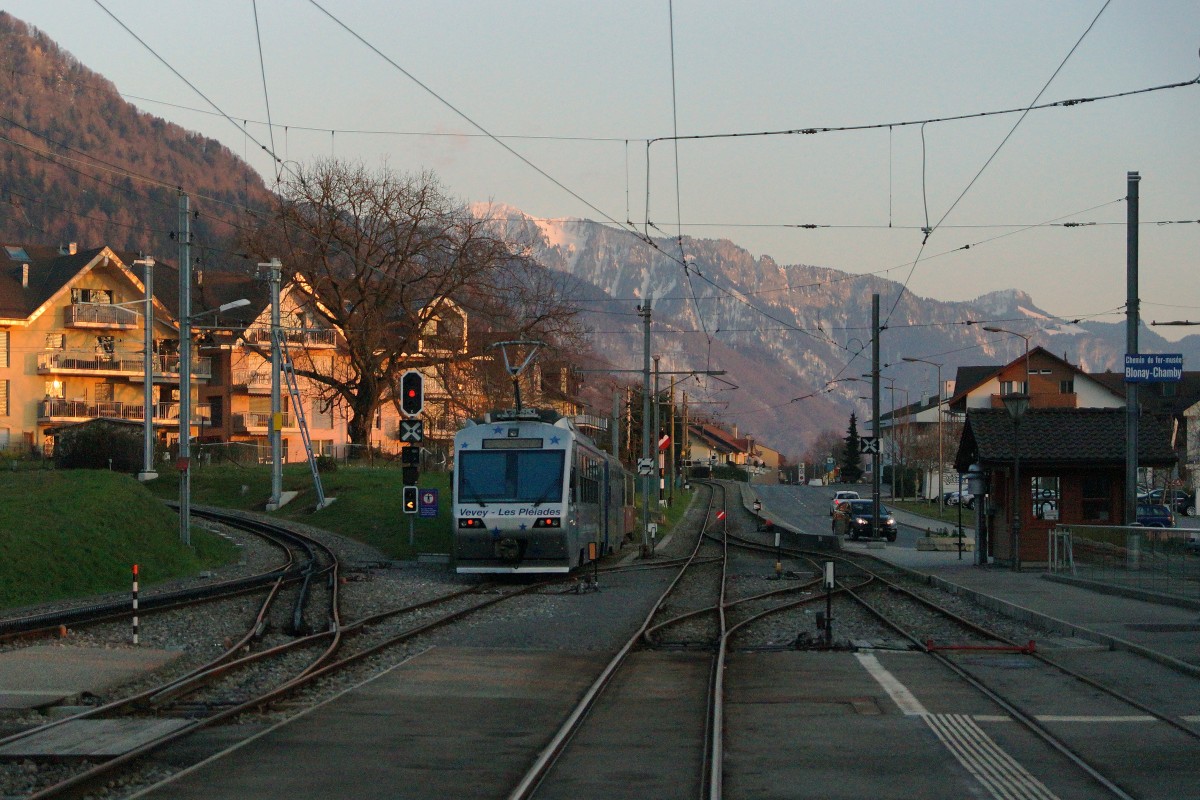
(720, 440)
(1061, 436)
(53, 268)
(1150, 397)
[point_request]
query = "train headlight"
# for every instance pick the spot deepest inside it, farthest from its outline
(470, 522)
(547, 522)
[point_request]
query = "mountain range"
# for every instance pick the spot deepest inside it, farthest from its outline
(786, 337)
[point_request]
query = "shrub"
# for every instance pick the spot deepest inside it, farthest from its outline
(99, 445)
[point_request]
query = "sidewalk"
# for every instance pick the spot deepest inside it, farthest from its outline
(1166, 633)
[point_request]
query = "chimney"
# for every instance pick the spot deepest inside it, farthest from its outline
(24, 276)
(735, 431)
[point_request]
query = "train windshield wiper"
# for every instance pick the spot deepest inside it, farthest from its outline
(466, 483)
(545, 493)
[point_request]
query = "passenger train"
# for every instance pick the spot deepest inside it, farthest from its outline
(532, 493)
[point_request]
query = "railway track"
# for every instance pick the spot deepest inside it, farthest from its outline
(257, 670)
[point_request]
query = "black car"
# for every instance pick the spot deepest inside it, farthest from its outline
(1153, 515)
(854, 518)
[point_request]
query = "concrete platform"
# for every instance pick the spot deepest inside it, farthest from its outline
(91, 738)
(40, 676)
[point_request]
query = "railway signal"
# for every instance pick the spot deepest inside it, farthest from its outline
(412, 393)
(409, 504)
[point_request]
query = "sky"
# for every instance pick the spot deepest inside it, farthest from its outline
(582, 99)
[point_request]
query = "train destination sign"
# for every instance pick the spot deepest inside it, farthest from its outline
(1153, 367)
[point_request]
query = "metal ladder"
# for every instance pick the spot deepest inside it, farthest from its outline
(289, 375)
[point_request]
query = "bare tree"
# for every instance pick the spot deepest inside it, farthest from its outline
(386, 259)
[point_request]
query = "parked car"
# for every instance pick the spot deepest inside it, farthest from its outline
(854, 518)
(1155, 515)
(840, 497)
(1185, 504)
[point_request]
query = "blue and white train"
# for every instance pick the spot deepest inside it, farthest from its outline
(534, 494)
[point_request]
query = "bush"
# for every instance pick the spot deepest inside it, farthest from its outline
(99, 445)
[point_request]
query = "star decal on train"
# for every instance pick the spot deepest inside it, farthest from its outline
(524, 526)
(497, 430)
(553, 440)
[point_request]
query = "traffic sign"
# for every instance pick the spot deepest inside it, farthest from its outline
(428, 502)
(412, 431)
(664, 441)
(645, 466)
(868, 445)
(721, 514)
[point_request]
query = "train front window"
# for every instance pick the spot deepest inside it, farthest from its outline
(512, 476)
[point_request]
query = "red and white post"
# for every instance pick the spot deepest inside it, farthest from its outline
(135, 604)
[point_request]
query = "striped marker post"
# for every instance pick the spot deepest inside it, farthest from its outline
(135, 604)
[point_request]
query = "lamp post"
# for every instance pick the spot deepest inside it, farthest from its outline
(147, 473)
(941, 456)
(891, 387)
(1025, 336)
(1016, 405)
(185, 407)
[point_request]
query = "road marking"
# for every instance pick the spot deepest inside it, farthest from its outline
(1055, 718)
(995, 769)
(899, 693)
(979, 754)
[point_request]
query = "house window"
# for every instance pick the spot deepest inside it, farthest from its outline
(1097, 500)
(56, 389)
(56, 341)
(1013, 387)
(216, 411)
(3, 398)
(106, 346)
(1066, 387)
(3, 348)
(104, 392)
(91, 295)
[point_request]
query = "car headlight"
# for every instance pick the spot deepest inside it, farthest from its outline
(891, 521)
(861, 520)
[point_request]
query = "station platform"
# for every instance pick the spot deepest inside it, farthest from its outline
(45, 675)
(1161, 630)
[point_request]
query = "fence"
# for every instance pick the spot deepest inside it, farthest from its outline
(1162, 560)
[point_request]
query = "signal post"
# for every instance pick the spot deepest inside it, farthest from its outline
(412, 433)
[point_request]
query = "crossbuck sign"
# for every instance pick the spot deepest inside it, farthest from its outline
(868, 445)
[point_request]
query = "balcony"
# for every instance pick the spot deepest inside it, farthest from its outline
(67, 411)
(166, 368)
(307, 337)
(254, 381)
(258, 422)
(101, 315)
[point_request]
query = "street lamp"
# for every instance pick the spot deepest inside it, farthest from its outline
(147, 473)
(891, 387)
(1025, 336)
(1016, 405)
(941, 456)
(185, 409)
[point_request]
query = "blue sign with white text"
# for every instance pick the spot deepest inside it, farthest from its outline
(1153, 367)
(427, 502)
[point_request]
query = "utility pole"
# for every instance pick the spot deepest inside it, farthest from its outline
(671, 449)
(644, 310)
(185, 371)
(875, 410)
(275, 431)
(658, 433)
(1132, 303)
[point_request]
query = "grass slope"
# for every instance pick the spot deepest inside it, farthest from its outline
(69, 533)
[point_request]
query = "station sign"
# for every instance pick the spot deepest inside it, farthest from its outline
(1153, 367)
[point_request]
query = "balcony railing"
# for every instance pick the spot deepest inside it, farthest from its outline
(258, 421)
(252, 379)
(1044, 400)
(119, 363)
(307, 337)
(100, 315)
(79, 411)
